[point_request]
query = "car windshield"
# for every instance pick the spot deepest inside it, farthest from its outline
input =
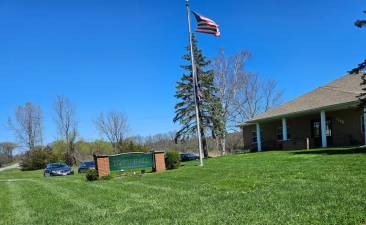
(56, 165)
(188, 154)
(89, 163)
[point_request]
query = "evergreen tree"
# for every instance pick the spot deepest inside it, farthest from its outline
(361, 67)
(208, 105)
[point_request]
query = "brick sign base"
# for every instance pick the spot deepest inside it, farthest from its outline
(103, 167)
(159, 158)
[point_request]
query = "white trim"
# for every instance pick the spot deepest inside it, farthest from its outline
(323, 125)
(259, 141)
(284, 129)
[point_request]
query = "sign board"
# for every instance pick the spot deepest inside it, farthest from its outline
(131, 160)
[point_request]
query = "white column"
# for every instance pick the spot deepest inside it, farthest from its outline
(364, 122)
(284, 129)
(323, 128)
(259, 140)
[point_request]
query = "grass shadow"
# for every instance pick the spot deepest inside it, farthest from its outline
(340, 151)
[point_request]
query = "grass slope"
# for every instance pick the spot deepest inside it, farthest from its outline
(317, 187)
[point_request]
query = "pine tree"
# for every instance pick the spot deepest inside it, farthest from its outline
(218, 123)
(361, 67)
(208, 105)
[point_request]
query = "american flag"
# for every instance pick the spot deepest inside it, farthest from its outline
(206, 25)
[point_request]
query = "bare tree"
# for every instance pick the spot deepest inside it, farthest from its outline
(271, 95)
(243, 94)
(113, 126)
(255, 96)
(6, 152)
(28, 125)
(66, 125)
(163, 141)
(229, 75)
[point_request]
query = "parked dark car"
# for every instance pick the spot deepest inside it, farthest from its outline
(85, 166)
(58, 169)
(188, 156)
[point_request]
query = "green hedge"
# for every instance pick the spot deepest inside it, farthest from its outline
(91, 175)
(172, 159)
(36, 159)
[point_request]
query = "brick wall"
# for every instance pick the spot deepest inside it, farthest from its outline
(103, 166)
(159, 161)
(346, 130)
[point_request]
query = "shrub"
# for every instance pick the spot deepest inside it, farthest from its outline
(36, 159)
(91, 175)
(106, 177)
(172, 159)
(131, 146)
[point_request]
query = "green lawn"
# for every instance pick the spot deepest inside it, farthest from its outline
(317, 187)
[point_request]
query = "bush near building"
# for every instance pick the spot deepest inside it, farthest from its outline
(172, 159)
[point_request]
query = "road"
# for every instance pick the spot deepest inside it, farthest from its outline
(16, 165)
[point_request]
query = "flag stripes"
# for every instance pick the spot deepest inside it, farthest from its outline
(206, 25)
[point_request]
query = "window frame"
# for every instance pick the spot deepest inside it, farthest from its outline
(254, 137)
(328, 128)
(279, 133)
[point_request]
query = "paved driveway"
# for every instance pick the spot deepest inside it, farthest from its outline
(16, 165)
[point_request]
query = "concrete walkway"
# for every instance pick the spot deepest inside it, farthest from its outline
(14, 166)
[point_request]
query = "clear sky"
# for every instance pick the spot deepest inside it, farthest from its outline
(125, 55)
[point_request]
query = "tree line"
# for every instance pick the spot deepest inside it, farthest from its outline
(27, 126)
(229, 95)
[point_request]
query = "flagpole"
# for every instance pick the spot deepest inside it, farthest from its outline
(194, 73)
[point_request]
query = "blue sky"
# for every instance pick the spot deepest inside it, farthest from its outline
(125, 55)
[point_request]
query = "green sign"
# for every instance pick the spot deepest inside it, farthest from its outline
(131, 160)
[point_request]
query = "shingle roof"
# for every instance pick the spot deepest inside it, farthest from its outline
(340, 91)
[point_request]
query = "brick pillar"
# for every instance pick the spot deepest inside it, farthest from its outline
(159, 160)
(103, 166)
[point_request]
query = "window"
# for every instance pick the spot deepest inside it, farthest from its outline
(254, 137)
(279, 133)
(316, 129)
(362, 124)
(328, 128)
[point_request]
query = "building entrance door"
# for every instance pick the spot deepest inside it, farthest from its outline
(317, 135)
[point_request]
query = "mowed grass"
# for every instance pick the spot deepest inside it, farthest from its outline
(287, 187)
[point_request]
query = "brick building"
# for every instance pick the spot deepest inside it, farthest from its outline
(327, 116)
